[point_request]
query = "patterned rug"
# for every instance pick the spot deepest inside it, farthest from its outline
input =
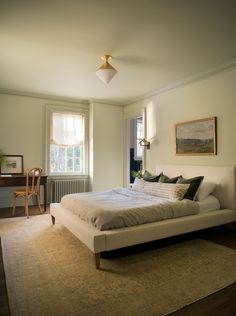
(50, 272)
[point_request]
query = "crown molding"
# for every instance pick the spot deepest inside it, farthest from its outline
(42, 96)
(197, 77)
(58, 98)
(185, 81)
(106, 102)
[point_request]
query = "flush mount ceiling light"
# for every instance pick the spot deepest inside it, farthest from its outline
(106, 72)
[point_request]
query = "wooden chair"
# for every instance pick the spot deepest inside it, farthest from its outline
(32, 188)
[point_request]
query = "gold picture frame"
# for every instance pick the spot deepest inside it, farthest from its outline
(197, 137)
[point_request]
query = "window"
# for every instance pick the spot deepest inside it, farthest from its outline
(66, 137)
(66, 159)
(138, 134)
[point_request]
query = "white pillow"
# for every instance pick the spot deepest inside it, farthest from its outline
(171, 191)
(205, 189)
(138, 184)
(210, 203)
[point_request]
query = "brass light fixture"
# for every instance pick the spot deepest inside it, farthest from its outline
(106, 72)
(145, 143)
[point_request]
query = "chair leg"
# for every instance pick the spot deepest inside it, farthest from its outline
(38, 203)
(14, 204)
(26, 207)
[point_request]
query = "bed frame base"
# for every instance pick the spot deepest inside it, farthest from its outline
(97, 257)
(53, 220)
(98, 241)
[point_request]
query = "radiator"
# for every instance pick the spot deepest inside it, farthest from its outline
(66, 186)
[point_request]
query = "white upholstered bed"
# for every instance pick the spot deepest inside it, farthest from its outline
(98, 241)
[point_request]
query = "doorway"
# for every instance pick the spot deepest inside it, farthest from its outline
(135, 150)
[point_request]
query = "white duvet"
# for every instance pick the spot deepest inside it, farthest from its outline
(122, 207)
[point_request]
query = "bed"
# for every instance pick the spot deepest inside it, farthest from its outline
(104, 240)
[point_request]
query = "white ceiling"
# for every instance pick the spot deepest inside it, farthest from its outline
(53, 47)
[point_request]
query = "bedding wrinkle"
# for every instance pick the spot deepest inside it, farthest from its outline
(122, 207)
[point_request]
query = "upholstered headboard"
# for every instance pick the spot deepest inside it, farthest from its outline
(223, 176)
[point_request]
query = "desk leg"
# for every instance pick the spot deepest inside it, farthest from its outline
(45, 196)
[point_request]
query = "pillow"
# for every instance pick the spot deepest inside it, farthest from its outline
(138, 184)
(147, 176)
(205, 189)
(193, 188)
(166, 190)
(164, 179)
(210, 203)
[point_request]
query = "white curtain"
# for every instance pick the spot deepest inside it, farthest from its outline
(67, 129)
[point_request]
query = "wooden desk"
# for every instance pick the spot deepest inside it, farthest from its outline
(15, 181)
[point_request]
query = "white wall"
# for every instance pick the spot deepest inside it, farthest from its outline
(213, 96)
(107, 146)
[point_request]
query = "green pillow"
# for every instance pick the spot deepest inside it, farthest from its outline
(147, 176)
(194, 185)
(164, 179)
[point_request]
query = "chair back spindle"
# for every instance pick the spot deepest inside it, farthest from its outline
(35, 175)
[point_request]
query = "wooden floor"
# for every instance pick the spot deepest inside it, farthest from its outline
(222, 303)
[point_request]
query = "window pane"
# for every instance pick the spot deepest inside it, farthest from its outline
(69, 151)
(66, 159)
(77, 151)
(78, 165)
(70, 165)
(62, 159)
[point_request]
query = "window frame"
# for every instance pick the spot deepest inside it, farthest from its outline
(77, 110)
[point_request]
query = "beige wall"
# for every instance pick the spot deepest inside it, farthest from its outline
(22, 132)
(22, 128)
(107, 144)
(213, 96)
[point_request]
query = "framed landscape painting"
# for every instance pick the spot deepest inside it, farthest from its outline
(196, 137)
(13, 165)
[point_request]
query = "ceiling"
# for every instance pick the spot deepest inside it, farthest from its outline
(53, 47)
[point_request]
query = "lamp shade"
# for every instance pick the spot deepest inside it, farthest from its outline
(106, 72)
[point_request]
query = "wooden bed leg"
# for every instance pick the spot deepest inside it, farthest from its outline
(97, 260)
(53, 220)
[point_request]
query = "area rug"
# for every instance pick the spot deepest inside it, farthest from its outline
(50, 272)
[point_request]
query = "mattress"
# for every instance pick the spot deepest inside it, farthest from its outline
(122, 207)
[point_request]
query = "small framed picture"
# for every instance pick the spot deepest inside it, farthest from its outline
(196, 137)
(13, 165)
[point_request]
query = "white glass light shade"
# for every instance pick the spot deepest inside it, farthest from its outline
(106, 72)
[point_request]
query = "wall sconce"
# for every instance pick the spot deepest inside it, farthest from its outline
(144, 143)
